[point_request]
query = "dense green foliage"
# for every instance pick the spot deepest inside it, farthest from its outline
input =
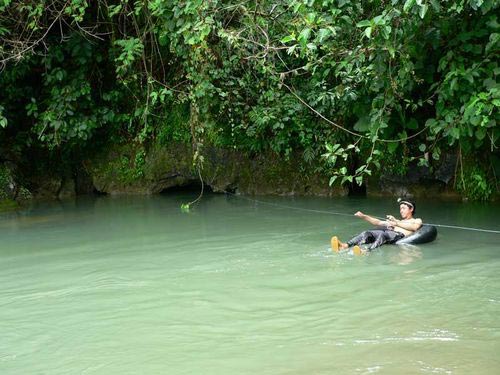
(353, 87)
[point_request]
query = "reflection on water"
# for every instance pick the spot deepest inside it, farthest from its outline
(406, 254)
(132, 285)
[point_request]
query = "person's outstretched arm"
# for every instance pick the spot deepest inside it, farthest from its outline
(370, 219)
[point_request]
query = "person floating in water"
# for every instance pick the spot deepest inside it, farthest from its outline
(387, 231)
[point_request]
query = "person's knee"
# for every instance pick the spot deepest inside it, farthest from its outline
(368, 236)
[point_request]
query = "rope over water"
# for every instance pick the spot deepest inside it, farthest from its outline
(350, 215)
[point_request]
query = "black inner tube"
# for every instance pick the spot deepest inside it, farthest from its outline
(426, 233)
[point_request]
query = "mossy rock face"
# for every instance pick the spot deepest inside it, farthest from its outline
(12, 194)
(122, 171)
(167, 167)
(7, 184)
(113, 171)
(129, 169)
(8, 205)
(266, 174)
(10, 188)
(417, 182)
(48, 187)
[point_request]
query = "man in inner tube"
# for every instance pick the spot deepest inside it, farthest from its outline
(387, 231)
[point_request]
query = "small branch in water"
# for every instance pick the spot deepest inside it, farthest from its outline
(186, 206)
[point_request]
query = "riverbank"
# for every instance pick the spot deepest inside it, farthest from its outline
(128, 169)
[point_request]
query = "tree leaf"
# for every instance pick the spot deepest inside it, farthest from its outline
(379, 20)
(323, 34)
(368, 32)
(408, 5)
(304, 36)
(423, 10)
(362, 124)
(480, 133)
(412, 124)
(435, 4)
(288, 38)
(364, 23)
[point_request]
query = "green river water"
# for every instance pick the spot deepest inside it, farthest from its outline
(131, 285)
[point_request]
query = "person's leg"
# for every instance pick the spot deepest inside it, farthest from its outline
(364, 237)
(337, 245)
(393, 236)
(379, 239)
(385, 236)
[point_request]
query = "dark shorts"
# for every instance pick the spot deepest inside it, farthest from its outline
(376, 238)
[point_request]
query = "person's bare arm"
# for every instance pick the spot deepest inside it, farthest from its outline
(411, 224)
(370, 219)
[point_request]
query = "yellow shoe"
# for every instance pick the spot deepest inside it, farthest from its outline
(335, 244)
(356, 250)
